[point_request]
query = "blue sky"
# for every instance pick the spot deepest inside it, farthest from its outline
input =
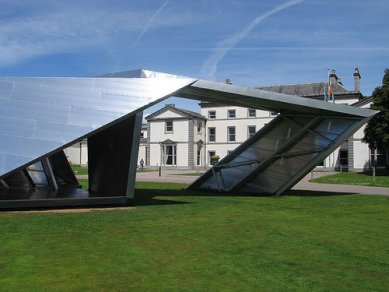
(253, 43)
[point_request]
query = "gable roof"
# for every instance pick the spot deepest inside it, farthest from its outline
(183, 112)
(315, 89)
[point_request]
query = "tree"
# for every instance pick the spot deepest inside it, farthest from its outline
(377, 129)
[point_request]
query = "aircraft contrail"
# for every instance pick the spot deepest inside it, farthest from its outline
(150, 21)
(209, 67)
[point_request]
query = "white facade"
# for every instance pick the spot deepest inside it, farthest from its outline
(229, 126)
(77, 153)
(175, 138)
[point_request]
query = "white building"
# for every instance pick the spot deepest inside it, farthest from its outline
(175, 137)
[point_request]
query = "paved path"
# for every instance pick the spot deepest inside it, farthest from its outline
(178, 176)
(305, 184)
(168, 175)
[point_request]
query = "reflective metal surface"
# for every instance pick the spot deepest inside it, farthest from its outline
(305, 132)
(41, 116)
(278, 156)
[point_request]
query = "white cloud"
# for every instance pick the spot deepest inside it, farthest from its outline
(149, 22)
(210, 66)
(62, 29)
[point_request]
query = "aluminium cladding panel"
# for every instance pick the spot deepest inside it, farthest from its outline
(39, 115)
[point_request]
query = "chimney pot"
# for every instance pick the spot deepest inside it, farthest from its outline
(357, 80)
(333, 77)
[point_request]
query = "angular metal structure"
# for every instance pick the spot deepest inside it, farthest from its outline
(41, 116)
(279, 155)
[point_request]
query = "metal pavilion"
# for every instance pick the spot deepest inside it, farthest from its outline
(41, 116)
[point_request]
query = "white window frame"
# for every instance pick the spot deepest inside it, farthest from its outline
(209, 134)
(248, 130)
(250, 112)
(273, 114)
(231, 114)
(229, 135)
(212, 115)
(173, 156)
(166, 127)
(199, 126)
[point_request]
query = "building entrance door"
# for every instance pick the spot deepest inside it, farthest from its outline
(170, 154)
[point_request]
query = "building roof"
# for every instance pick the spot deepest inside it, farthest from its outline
(315, 89)
(180, 111)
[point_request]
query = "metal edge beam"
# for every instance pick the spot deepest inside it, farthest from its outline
(212, 91)
(134, 156)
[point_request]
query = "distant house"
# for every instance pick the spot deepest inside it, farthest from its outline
(175, 138)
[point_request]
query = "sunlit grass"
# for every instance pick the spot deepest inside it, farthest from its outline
(354, 178)
(173, 239)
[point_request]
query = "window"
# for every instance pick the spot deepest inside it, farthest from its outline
(210, 154)
(198, 156)
(211, 134)
(252, 113)
(212, 115)
(231, 114)
(169, 127)
(231, 134)
(199, 126)
(142, 135)
(251, 131)
(169, 156)
(343, 160)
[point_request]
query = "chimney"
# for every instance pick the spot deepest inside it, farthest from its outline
(333, 77)
(357, 80)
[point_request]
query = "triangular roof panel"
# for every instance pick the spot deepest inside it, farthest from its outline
(40, 115)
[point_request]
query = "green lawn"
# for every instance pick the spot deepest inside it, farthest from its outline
(180, 240)
(82, 170)
(354, 178)
(79, 170)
